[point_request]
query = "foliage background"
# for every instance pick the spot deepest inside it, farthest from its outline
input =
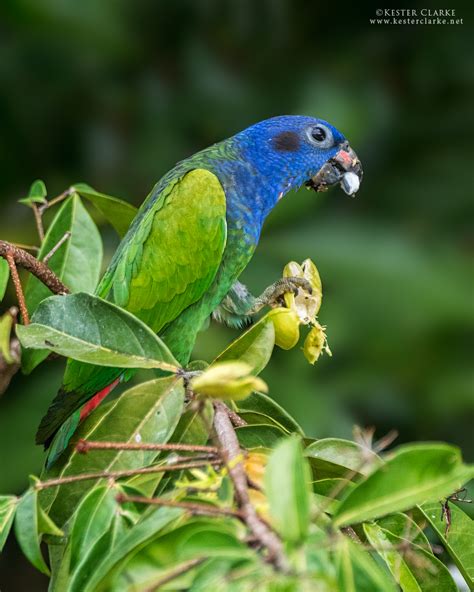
(114, 93)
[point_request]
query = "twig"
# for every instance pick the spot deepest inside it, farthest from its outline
(38, 210)
(351, 533)
(125, 473)
(180, 569)
(83, 446)
(231, 454)
(235, 418)
(365, 439)
(194, 507)
(31, 264)
(385, 441)
(39, 221)
(59, 244)
(26, 247)
(52, 202)
(446, 510)
(20, 296)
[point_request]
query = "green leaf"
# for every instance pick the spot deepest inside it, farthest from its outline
(4, 277)
(263, 405)
(8, 504)
(26, 529)
(94, 555)
(459, 540)
(254, 347)
(405, 528)
(77, 262)
(332, 488)
(92, 519)
(92, 330)
(46, 525)
(148, 412)
(357, 571)
(336, 457)
(37, 193)
(194, 427)
(287, 487)
(259, 436)
(398, 568)
(118, 212)
(197, 538)
(413, 474)
(148, 528)
(59, 556)
(252, 418)
(415, 569)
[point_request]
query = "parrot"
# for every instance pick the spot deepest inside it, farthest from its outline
(179, 263)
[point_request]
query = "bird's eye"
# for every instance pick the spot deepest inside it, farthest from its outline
(318, 133)
(320, 136)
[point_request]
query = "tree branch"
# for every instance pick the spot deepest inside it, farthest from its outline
(83, 446)
(180, 569)
(39, 269)
(38, 210)
(20, 296)
(194, 507)
(58, 245)
(235, 418)
(231, 455)
(39, 221)
(125, 473)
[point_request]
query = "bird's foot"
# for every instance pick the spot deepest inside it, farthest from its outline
(273, 295)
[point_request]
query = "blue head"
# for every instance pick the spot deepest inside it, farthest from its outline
(288, 151)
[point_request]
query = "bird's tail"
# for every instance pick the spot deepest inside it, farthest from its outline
(59, 441)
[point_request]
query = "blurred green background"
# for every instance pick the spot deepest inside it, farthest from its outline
(113, 93)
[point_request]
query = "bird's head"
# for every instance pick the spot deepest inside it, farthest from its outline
(293, 150)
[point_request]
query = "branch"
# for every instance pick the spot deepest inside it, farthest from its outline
(235, 418)
(38, 210)
(20, 296)
(83, 446)
(231, 454)
(194, 507)
(59, 244)
(125, 473)
(179, 570)
(39, 269)
(39, 221)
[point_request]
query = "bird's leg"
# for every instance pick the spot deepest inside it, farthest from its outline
(239, 304)
(272, 296)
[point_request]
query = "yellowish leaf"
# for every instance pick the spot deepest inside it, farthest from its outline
(228, 380)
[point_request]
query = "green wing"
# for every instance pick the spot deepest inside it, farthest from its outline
(165, 263)
(175, 253)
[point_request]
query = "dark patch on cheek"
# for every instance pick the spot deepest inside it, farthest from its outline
(286, 142)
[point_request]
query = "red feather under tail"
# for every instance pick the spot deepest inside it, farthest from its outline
(96, 399)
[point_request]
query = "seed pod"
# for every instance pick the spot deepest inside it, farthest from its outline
(287, 327)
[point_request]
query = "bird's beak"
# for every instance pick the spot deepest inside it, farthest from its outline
(343, 169)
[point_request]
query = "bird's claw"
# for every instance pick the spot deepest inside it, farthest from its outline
(272, 296)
